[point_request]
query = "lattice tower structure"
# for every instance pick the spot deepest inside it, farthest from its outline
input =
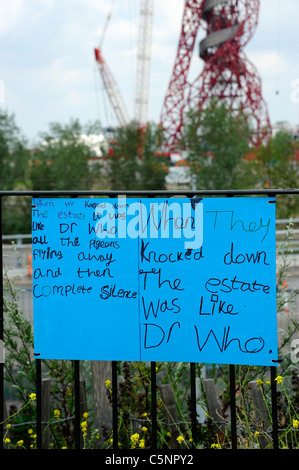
(172, 112)
(143, 61)
(227, 73)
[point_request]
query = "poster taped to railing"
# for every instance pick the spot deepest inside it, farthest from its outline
(155, 279)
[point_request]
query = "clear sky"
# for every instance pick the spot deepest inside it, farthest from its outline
(48, 72)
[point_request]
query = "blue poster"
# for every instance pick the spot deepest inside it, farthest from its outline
(175, 279)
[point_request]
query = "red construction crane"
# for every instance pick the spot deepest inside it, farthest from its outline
(142, 73)
(227, 73)
(112, 90)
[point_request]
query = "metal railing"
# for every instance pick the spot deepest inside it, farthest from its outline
(153, 377)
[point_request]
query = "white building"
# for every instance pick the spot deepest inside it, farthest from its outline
(284, 126)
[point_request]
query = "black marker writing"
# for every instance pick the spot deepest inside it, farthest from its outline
(63, 290)
(38, 273)
(42, 240)
(255, 258)
(172, 257)
(214, 285)
(37, 226)
(155, 334)
(66, 241)
(46, 254)
(160, 306)
(252, 345)
(107, 257)
(215, 306)
(93, 273)
(174, 285)
(111, 291)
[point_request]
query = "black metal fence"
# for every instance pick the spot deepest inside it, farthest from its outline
(153, 381)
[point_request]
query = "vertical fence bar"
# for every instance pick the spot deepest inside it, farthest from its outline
(1, 332)
(274, 407)
(77, 403)
(38, 385)
(193, 402)
(114, 405)
(154, 404)
(232, 391)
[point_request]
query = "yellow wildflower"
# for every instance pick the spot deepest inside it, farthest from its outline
(295, 423)
(142, 444)
(85, 415)
(134, 438)
(279, 379)
(57, 414)
(180, 439)
(84, 428)
(20, 443)
(6, 440)
(30, 431)
(215, 446)
(8, 426)
(32, 396)
(144, 429)
(108, 383)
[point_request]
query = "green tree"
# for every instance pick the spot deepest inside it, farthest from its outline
(275, 162)
(216, 142)
(131, 161)
(14, 158)
(14, 154)
(62, 159)
(275, 167)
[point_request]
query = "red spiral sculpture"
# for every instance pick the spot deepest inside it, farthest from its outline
(227, 73)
